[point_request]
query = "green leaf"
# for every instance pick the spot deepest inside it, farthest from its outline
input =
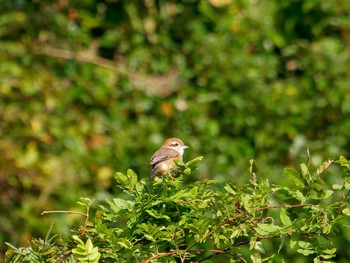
(84, 201)
(180, 163)
(298, 195)
(305, 245)
(123, 204)
(308, 156)
(305, 171)
(285, 218)
(305, 252)
(326, 193)
(194, 192)
(347, 184)
(343, 161)
(132, 177)
(229, 189)
(337, 187)
(346, 211)
(256, 257)
(203, 204)
(283, 239)
(326, 229)
(180, 195)
(195, 160)
(187, 171)
(11, 246)
(317, 184)
(330, 251)
(295, 177)
(119, 204)
(121, 179)
(259, 247)
(267, 229)
(154, 214)
(124, 243)
(86, 252)
(292, 243)
(77, 239)
(323, 256)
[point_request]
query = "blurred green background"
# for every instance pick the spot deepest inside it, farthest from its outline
(91, 87)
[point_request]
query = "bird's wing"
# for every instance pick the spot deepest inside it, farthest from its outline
(162, 155)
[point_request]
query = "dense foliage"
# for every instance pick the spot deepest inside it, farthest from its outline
(94, 86)
(161, 220)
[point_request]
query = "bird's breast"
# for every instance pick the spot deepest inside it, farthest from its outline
(166, 165)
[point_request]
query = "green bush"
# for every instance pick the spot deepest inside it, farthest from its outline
(161, 220)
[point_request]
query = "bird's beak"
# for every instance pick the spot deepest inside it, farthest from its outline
(185, 147)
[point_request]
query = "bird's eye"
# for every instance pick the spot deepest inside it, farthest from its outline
(176, 144)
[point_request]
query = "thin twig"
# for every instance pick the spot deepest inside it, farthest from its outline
(248, 213)
(214, 253)
(159, 255)
(82, 57)
(343, 202)
(62, 212)
(86, 215)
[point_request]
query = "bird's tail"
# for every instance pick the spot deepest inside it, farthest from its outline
(153, 172)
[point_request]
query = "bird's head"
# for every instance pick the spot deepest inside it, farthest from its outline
(176, 144)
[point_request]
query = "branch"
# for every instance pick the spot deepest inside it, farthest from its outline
(62, 212)
(86, 215)
(216, 252)
(160, 255)
(226, 250)
(248, 213)
(171, 253)
(81, 57)
(162, 85)
(343, 202)
(259, 238)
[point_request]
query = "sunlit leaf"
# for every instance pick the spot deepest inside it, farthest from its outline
(346, 211)
(305, 252)
(132, 177)
(255, 257)
(229, 189)
(267, 229)
(284, 217)
(337, 186)
(195, 160)
(305, 171)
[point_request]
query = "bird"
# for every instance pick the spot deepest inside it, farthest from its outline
(162, 161)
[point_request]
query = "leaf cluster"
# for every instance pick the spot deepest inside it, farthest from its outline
(161, 220)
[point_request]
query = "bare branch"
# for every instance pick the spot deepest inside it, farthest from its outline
(62, 212)
(162, 85)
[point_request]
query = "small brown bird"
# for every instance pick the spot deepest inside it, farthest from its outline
(162, 160)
